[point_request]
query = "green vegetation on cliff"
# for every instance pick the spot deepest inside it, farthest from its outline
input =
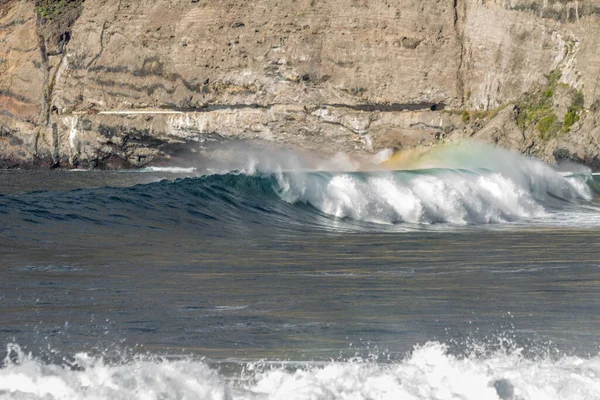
(56, 17)
(52, 10)
(548, 126)
(575, 108)
(538, 108)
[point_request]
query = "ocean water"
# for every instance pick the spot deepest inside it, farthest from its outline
(466, 272)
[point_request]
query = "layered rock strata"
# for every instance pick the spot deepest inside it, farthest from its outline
(138, 82)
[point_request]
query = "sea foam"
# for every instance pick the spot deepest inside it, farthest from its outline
(467, 183)
(429, 372)
(417, 197)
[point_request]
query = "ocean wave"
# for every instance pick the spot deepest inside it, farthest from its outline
(429, 372)
(457, 197)
(320, 199)
(452, 189)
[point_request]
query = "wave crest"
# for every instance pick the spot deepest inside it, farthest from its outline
(430, 196)
(451, 188)
(468, 183)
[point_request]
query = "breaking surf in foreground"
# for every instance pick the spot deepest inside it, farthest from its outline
(428, 373)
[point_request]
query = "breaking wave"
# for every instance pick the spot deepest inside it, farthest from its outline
(429, 372)
(428, 196)
(456, 186)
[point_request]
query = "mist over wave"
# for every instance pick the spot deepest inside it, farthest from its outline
(429, 372)
(455, 184)
(460, 184)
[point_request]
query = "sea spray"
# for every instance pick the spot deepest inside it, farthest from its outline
(425, 196)
(458, 185)
(428, 372)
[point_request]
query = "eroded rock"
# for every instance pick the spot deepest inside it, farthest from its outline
(136, 79)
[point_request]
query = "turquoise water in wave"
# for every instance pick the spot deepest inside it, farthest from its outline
(455, 282)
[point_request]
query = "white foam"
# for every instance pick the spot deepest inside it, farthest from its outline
(430, 372)
(382, 197)
(173, 170)
(472, 184)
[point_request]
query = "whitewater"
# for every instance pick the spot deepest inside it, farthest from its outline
(428, 373)
(255, 272)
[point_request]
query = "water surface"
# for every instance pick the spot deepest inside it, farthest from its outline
(431, 283)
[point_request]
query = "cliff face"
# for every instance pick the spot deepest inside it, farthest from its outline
(133, 82)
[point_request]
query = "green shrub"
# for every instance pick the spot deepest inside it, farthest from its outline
(572, 114)
(537, 108)
(548, 126)
(570, 118)
(578, 100)
(465, 116)
(50, 10)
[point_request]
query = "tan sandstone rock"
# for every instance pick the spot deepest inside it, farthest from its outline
(139, 81)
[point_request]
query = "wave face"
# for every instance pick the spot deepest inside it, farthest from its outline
(428, 373)
(449, 187)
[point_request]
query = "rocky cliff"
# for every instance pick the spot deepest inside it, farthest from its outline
(124, 83)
